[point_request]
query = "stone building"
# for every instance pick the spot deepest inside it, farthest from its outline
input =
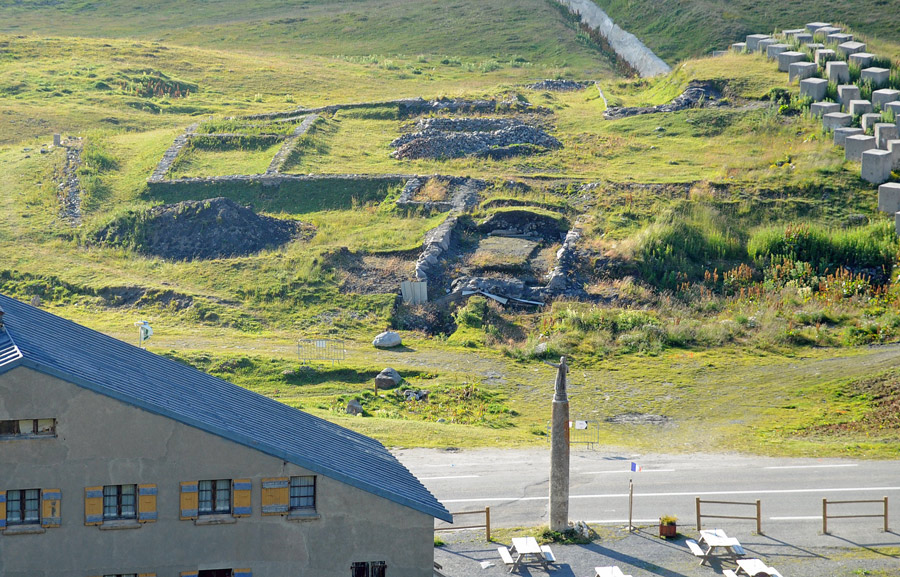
(115, 461)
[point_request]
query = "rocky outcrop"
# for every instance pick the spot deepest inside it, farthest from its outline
(558, 85)
(626, 45)
(697, 94)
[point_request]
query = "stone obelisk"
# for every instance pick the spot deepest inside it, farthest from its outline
(559, 452)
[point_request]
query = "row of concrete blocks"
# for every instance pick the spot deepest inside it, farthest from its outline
(833, 118)
(877, 163)
(889, 201)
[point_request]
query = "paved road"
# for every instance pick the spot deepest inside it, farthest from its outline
(514, 483)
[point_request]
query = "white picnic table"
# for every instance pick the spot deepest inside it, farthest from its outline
(613, 571)
(527, 549)
(716, 539)
(752, 567)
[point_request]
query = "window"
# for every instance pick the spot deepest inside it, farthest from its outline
(23, 507)
(214, 497)
(28, 428)
(368, 569)
(122, 575)
(303, 493)
(119, 502)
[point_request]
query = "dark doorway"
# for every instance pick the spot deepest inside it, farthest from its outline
(215, 573)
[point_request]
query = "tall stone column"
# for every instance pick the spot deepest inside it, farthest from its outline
(559, 452)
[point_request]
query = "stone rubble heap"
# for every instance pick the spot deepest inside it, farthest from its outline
(562, 277)
(69, 190)
(165, 163)
(437, 242)
(432, 143)
(558, 85)
(696, 95)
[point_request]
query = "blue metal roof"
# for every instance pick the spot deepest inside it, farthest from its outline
(45, 342)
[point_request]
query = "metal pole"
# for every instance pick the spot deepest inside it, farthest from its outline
(698, 513)
(824, 516)
(758, 518)
(630, 504)
(487, 523)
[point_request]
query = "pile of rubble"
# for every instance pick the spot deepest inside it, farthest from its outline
(558, 85)
(698, 94)
(435, 143)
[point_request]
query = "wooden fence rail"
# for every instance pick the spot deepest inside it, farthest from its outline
(487, 522)
(757, 518)
(826, 516)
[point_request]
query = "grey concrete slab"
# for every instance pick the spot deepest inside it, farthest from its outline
(893, 107)
(889, 197)
(824, 55)
(785, 59)
(763, 44)
(876, 166)
(793, 32)
(739, 47)
(884, 133)
(835, 120)
(859, 107)
(803, 37)
(880, 98)
(818, 109)
(837, 71)
(839, 38)
(753, 41)
(875, 75)
(813, 26)
(841, 134)
(813, 46)
(847, 92)
(893, 147)
(848, 48)
(855, 145)
(814, 88)
(897, 223)
(825, 31)
(773, 50)
(861, 59)
(868, 120)
(800, 70)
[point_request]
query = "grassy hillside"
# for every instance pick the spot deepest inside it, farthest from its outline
(679, 29)
(714, 239)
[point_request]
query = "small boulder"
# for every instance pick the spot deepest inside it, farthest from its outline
(387, 379)
(354, 408)
(387, 340)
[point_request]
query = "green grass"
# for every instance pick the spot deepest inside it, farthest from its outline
(195, 161)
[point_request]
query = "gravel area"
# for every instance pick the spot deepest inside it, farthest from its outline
(644, 554)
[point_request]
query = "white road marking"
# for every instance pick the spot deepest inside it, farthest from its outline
(644, 471)
(811, 466)
(682, 494)
(450, 477)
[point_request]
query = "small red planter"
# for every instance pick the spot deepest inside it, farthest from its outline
(668, 530)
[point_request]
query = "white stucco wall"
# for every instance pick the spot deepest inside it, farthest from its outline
(101, 441)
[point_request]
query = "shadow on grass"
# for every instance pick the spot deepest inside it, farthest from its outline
(871, 547)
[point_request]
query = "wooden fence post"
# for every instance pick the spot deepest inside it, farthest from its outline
(758, 518)
(825, 516)
(698, 513)
(886, 515)
(487, 523)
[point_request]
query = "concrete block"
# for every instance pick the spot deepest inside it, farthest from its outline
(884, 133)
(848, 48)
(753, 41)
(894, 107)
(837, 71)
(818, 109)
(841, 134)
(57, 139)
(861, 59)
(876, 166)
(855, 145)
(814, 88)
(785, 59)
(877, 76)
(773, 50)
(739, 47)
(868, 120)
(859, 107)
(847, 92)
(838, 38)
(813, 46)
(763, 44)
(793, 32)
(801, 70)
(889, 197)
(824, 55)
(803, 38)
(897, 223)
(834, 120)
(881, 98)
(894, 148)
(813, 26)
(825, 31)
